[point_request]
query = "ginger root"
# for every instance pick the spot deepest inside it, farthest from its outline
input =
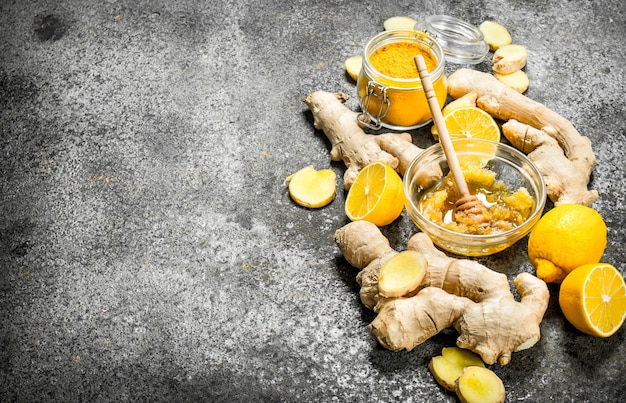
(505, 103)
(352, 145)
(566, 180)
(462, 293)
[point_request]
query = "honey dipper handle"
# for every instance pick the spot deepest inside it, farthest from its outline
(444, 137)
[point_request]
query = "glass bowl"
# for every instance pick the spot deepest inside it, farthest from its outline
(510, 166)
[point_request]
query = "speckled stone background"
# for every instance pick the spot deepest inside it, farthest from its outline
(149, 249)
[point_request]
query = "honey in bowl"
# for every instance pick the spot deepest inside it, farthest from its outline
(505, 208)
(511, 171)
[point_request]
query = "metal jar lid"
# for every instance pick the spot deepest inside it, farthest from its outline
(462, 43)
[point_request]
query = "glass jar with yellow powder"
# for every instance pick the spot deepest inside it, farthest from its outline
(389, 89)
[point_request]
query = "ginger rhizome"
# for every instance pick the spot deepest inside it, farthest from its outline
(462, 293)
(351, 144)
(564, 157)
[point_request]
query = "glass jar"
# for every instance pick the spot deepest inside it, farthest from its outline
(462, 42)
(398, 103)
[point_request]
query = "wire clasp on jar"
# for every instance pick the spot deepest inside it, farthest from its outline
(379, 93)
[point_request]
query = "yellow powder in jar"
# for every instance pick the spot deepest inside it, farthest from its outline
(397, 59)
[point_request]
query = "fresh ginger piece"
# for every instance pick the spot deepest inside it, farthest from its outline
(401, 274)
(356, 148)
(311, 188)
(462, 293)
(449, 366)
(399, 22)
(548, 138)
(508, 59)
(518, 80)
(496, 35)
(566, 178)
(480, 385)
(353, 66)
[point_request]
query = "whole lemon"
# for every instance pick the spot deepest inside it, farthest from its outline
(566, 237)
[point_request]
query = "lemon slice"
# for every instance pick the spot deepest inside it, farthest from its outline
(377, 195)
(471, 122)
(593, 299)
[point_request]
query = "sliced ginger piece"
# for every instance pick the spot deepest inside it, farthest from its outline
(518, 80)
(496, 35)
(449, 366)
(479, 385)
(510, 58)
(311, 188)
(353, 66)
(399, 22)
(401, 274)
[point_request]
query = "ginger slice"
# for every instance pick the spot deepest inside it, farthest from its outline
(311, 188)
(449, 366)
(399, 22)
(401, 274)
(496, 35)
(508, 59)
(480, 385)
(353, 66)
(518, 80)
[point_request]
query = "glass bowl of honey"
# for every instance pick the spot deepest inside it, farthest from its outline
(508, 184)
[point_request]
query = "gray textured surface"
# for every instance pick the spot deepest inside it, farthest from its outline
(149, 249)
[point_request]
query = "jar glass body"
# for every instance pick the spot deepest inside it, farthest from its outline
(462, 42)
(399, 103)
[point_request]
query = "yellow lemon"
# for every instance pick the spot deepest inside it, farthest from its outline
(377, 195)
(566, 237)
(470, 122)
(593, 299)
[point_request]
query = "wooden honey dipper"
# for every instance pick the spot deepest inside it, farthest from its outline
(468, 207)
